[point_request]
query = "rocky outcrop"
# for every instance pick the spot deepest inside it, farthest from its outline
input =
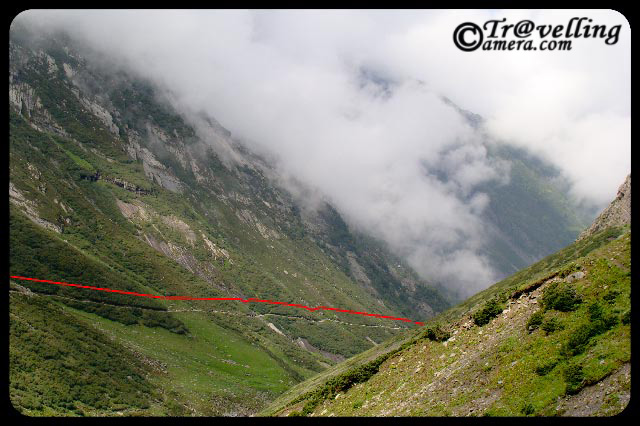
(29, 208)
(138, 210)
(51, 63)
(118, 182)
(180, 226)
(618, 213)
(216, 251)
(247, 217)
(24, 98)
(126, 185)
(101, 114)
(153, 169)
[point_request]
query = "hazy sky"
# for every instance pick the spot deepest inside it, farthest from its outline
(350, 103)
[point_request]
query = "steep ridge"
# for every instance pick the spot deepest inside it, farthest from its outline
(552, 339)
(618, 213)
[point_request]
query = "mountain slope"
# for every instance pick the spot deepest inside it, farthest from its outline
(553, 339)
(110, 186)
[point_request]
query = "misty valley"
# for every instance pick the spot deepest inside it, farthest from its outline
(244, 228)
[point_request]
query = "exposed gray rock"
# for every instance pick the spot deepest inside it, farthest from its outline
(575, 277)
(618, 213)
(153, 169)
(68, 70)
(29, 208)
(21, 95)
(101, 113)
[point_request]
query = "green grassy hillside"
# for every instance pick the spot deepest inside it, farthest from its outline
(553, 339)
(71, 368)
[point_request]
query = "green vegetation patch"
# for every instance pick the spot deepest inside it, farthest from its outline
(490, 310)
(131, 315)
(535, 320)
(341, 383)
(599, 323)
(551, 325)
(574, 378)
(346, 380)
(69, 369)
(436, 333)
(561, 297)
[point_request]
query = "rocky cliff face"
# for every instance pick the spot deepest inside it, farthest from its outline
(618, 213)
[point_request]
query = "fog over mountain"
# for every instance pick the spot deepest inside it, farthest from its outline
(351, 104)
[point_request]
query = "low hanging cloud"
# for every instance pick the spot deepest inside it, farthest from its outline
(350, 103)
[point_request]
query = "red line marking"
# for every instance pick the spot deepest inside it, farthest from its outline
(249, 300)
